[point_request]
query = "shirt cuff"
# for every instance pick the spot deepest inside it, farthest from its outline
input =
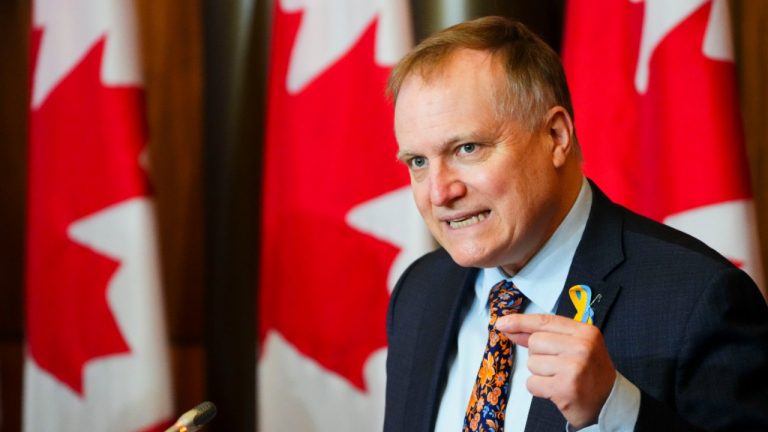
(620, 411)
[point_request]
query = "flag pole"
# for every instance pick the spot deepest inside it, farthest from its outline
(232, 153)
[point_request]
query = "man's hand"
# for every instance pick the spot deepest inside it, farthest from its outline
(568, 360)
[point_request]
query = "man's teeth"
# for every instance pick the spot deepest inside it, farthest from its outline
(461, 223)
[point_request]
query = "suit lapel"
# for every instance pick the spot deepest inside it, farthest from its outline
(439, 324)
(599, 252)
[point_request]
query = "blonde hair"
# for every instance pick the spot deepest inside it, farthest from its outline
(535, 78)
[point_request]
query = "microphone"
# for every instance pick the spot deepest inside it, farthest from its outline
(195, 418)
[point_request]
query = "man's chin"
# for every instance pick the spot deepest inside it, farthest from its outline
(471, 260)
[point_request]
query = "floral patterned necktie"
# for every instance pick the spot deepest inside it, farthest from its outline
(485, 411)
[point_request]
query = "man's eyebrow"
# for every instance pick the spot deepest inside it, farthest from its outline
(404, 155)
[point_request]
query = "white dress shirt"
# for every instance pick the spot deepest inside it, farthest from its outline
(541, 280)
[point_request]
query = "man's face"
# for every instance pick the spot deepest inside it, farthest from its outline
(487, 186)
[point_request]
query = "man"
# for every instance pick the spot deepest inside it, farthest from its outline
(671, 336)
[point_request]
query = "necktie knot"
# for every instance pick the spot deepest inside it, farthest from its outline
(504, 299)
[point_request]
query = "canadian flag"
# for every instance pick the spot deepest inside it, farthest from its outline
(654, 90)
(96, 356)
(339, 223)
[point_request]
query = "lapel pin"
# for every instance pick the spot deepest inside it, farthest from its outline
(581, 297)
(596, 300)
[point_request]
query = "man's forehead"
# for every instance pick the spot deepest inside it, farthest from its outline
(471, 73)
(459, 62)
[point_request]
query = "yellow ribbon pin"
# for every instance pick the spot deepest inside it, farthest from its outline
(581, 297)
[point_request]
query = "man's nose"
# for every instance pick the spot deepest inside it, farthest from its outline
(445, 186)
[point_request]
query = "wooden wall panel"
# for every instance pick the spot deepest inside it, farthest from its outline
(11, 376)
(171, 45)
(14, 16)
(173, 79)
(750, 19)
(14, 31)
(173, 68)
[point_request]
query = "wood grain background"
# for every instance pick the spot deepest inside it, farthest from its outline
(204, 107)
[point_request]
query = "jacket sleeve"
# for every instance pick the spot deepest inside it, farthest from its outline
(722, 366)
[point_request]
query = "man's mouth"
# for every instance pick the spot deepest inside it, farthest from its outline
(468, 220)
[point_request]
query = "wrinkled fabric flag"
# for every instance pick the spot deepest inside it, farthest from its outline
(97, 355)
(339, 223)
(657, 114)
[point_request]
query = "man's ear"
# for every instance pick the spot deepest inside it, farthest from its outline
(559, 130)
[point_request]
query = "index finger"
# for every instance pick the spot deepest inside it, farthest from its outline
(532, 323)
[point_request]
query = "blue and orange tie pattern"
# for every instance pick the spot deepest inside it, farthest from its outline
(488, 402)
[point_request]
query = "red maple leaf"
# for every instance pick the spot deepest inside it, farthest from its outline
(329, 148)
(676, 147)
(85, 140)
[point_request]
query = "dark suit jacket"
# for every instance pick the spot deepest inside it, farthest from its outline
(680, 322)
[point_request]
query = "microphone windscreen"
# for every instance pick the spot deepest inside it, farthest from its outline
(205, 412)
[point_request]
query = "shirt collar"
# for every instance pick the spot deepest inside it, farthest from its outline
(543, 278)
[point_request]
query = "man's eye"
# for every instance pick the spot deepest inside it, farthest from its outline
(468, 148)
(418, 162)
